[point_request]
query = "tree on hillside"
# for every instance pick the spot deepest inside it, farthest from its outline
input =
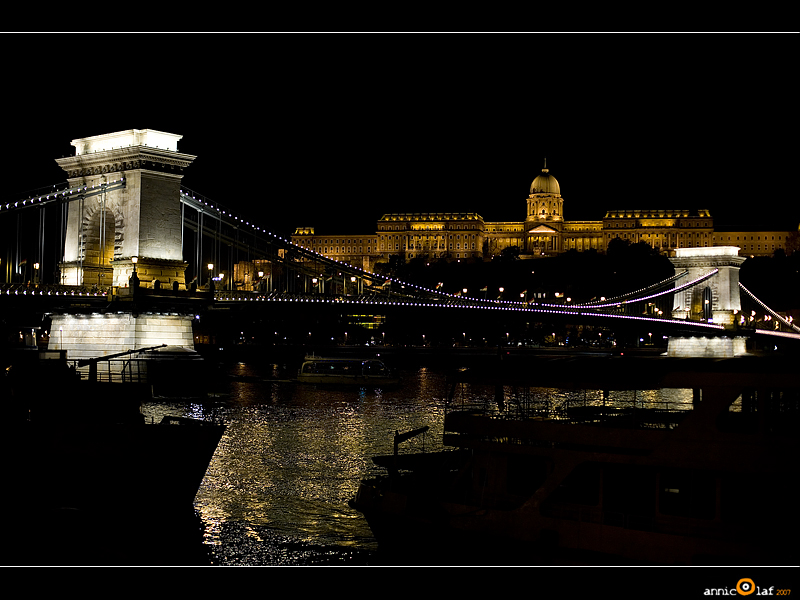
(509, 254)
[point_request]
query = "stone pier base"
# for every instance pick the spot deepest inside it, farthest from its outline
(710, 347)
(96, 335)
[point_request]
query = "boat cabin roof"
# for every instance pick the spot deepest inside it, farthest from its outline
(350, 360)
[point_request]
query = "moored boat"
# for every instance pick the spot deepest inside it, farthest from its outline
(85, 446)
(605, 484)
(346, 371)
(88, 480)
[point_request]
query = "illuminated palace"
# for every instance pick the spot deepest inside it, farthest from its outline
(544, 232)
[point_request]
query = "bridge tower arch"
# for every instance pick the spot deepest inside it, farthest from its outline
(101, 232)
(143, 216)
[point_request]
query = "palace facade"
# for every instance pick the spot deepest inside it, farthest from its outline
(544, 232)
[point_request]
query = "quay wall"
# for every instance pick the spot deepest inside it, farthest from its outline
(92, 336)
(710, 347)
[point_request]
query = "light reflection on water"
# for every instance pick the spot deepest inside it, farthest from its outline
(276, 491)
(293, 455)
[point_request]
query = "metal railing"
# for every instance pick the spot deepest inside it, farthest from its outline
(119, 370)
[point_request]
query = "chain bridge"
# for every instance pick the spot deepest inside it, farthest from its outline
(124, 239)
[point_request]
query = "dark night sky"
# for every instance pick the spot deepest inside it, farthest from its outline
(321, 130)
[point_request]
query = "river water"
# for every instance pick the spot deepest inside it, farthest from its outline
(276, 490)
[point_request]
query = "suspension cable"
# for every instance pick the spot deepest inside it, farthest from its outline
(769, 310)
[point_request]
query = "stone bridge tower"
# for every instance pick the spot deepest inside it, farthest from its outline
(716, 300)
(105, 231)
(141, 219)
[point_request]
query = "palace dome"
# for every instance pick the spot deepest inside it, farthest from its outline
(545, 184)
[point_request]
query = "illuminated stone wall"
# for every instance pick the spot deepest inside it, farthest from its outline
(582, 236)
(89, 336)
(755, 243)
(661, 229)
(431, 235)
(357, 250)
(500, 235)
(706, 347)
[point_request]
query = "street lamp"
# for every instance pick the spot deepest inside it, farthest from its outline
(134, 280)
